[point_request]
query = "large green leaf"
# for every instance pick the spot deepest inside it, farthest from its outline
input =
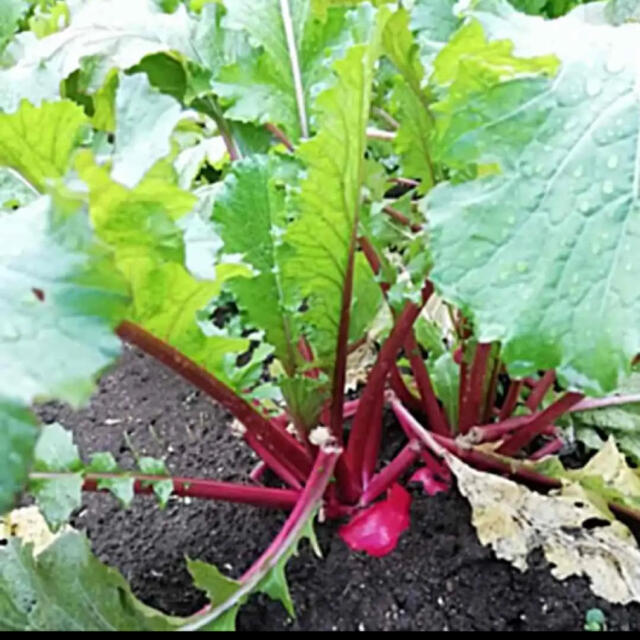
(275, 84)
(59, 301)
(65, 588)
(543, 256)
(323, 237)
(18, 433)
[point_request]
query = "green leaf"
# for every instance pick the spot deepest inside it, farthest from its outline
(620, 11)
(59, 301)
(271, 85)
(18, 433)
(272, 581)
(110, 33)
(121, 485)
(38, 141)
(65, 588)
(57, 483)
(446, 382)
(542, 256)
(413, 138)
(145, 119)
(161, 488)
(251, 216)
(11, 11)
(323, 236)
(15, 192)
(208, 578)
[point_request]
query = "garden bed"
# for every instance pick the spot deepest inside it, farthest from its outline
(439, 577)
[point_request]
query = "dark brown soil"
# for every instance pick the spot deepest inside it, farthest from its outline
(438, 578)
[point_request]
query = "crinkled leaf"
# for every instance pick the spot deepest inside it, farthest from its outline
(65, 588)
(112, 33)
(619, 11)
(59, 301)
(323, 237)
(515, 520)
(261, 85)
(251, 216)
(543, 255)
(18, 433)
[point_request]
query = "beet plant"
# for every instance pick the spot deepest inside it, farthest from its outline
(319, 213)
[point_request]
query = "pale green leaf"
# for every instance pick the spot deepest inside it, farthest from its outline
(543, 256)
(161, 488)
(18, 433)
(65, 588)
(59, 301)
(145, 119)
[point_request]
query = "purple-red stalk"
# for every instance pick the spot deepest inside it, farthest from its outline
(400, 389)
(431, 407)
(511, 400)
(391, 472)
(490, 401)
(472, 398)
(399, 217)
(281, 447)
(537, 423)
(540, 389)
(276, 132)
(199, 488)
(589, 404)
(548, 449)
(368, 417)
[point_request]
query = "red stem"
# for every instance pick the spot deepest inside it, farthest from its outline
(279, 134)
(489, 405)
(473, 395)
(493, 432)
(281, 470)
(434, 413)
(373, 260)
(512, 468)
(510, 402)
(538, 392)
(553, 446)
(405, 182)
(307, 502)
(589, 404)
(398, 216)
(372, 443)
(257, 472)
(279, 444)
(199, 488)
(368, 418)
(391, 472)
(538, 422)
(400, 389)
